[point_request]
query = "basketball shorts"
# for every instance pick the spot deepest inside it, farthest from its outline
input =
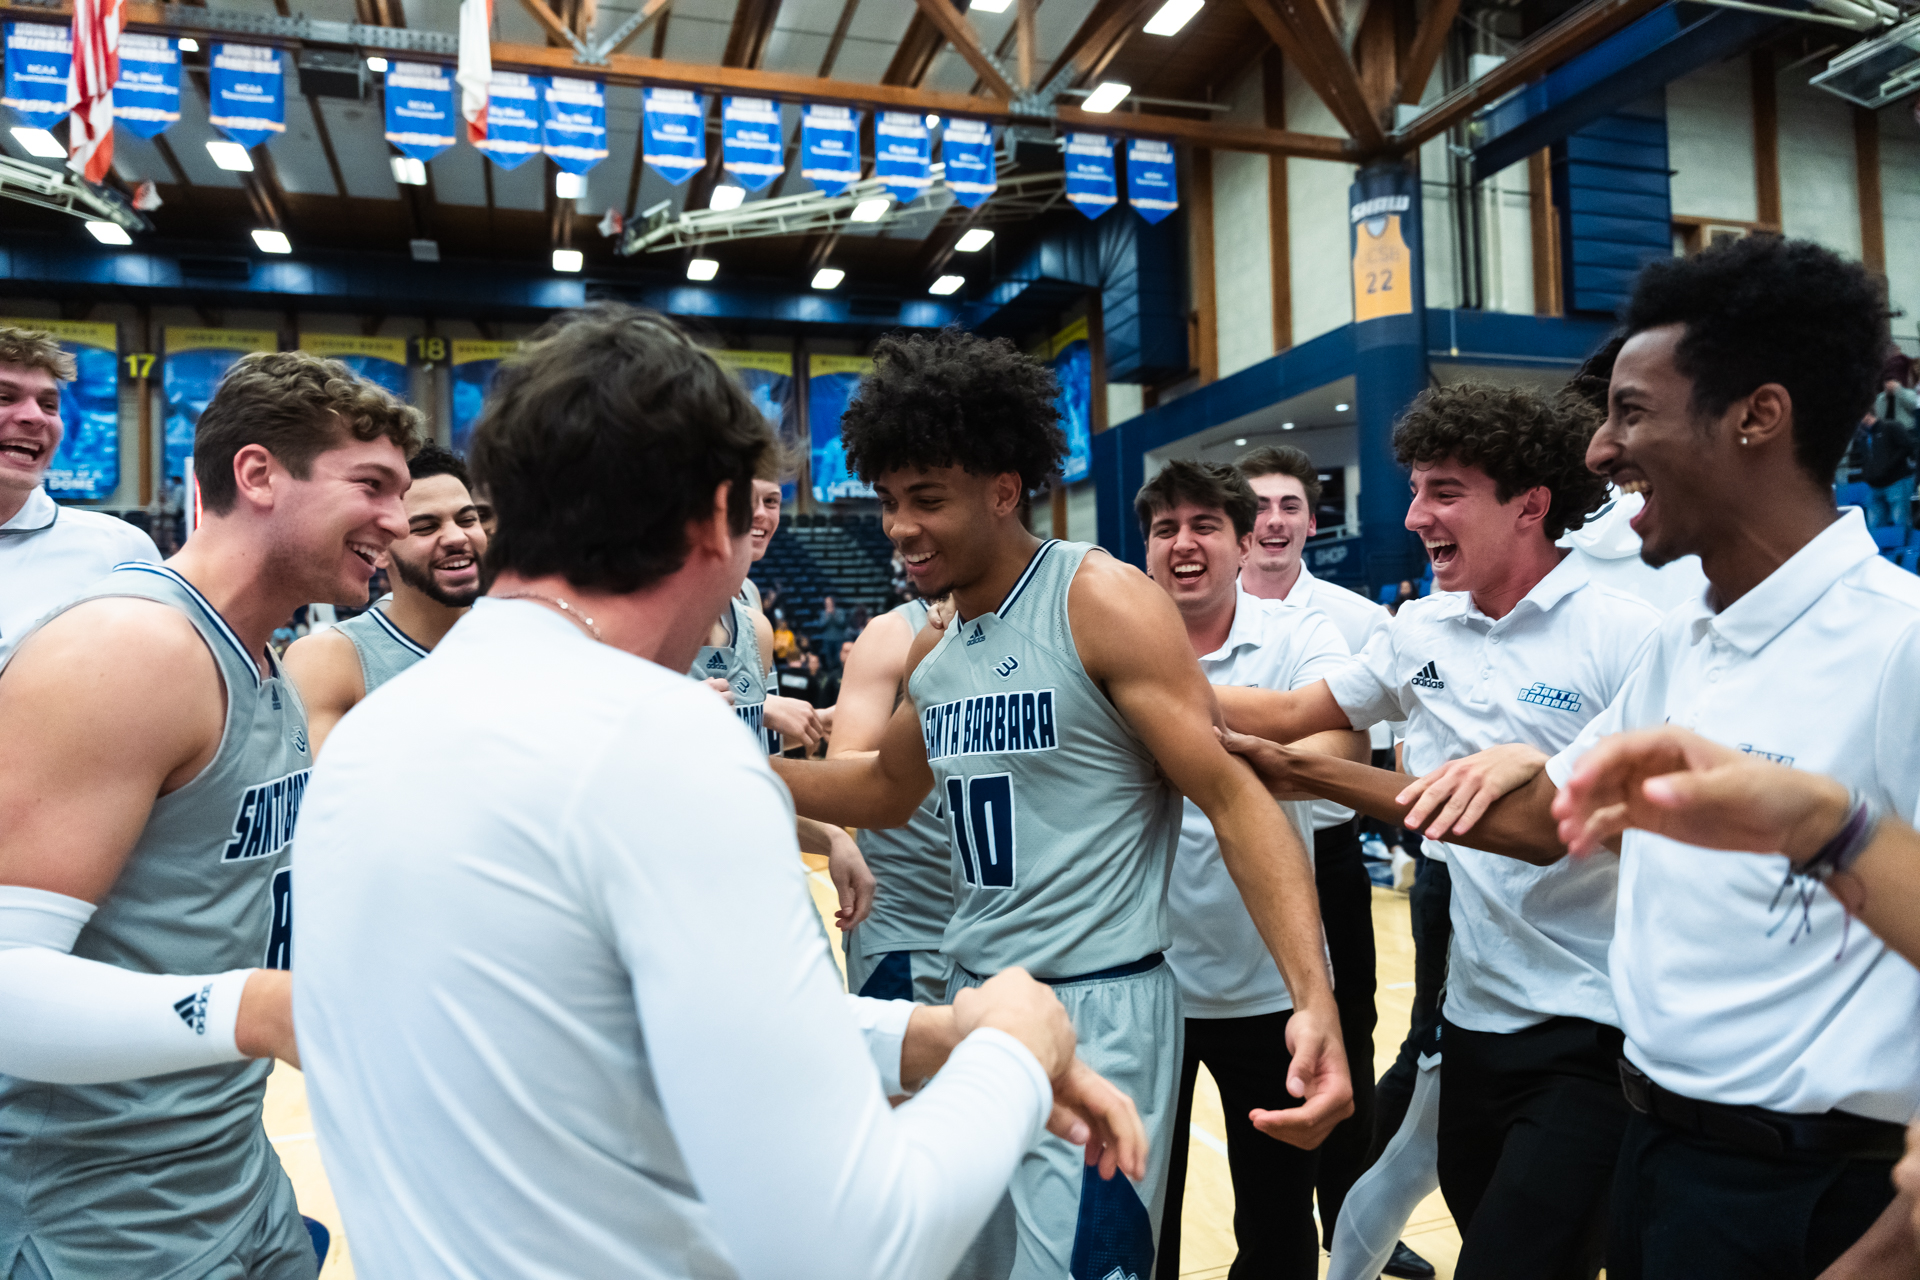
(919, 976)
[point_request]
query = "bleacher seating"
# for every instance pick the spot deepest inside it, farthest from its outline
(1850, 495)
(813, 556)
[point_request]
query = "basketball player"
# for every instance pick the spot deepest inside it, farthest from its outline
(436, 578)
(1770, 1055)
(1519, 645)
(152, 760)
(1198, 520)
(550, 1021)
(895, 954)
(1045, 712)
(48, 553)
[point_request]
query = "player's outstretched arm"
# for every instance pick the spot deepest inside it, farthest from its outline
(872, 686)
(325, 668)
(1132, 643)
(874, 792)
(104, 710)
(846, 867)
(1282, 715)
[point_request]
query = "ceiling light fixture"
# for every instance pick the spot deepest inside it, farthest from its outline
(409, 171)
(38, 142)
(109, 233)
(189, 45)
(1109, 95)
(946, 285)
(569, 186)
(726, 197)
(1286, 426)
(828, 278)
(871, 210)
(933, 121)
(230, 156)
(1341, 408)
(702, 269)
(377, 65)
(271, 241)
(1173, 15)
(1239, 441)
(973, 241)
(991, 6)
(568, 259)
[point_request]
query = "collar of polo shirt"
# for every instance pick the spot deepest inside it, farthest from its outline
(1561, 581)
(39, 512)
(1789, 591)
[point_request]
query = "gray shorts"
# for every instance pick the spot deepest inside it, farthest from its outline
(1059, 1218)
(919, 976)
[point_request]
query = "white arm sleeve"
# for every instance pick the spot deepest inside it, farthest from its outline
(75, 1021)
(883, 1023)
(773, 1098)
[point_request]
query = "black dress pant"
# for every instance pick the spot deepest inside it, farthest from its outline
(1689, 1208)
(1530, 1130)
(1346, 909)
(1272, 1181)
(1431, 904)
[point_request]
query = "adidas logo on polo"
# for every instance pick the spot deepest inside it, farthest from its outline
(978, 636)
(193, 1009)
(1428, 677)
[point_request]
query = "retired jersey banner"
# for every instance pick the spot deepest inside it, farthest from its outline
(196, 360)
(676, 133)
(249, 90)
(1090, 182)
(381, 361)
(831, 383)
(420, 116)
(39, 62)
(903, 154)
(830, 147)
(1071, 356)
(146, 98)
(750, 140)
(576, 123)
(966, 149)
(86, 466)
(1151, 188)
(515, 111)
(768, 379)
(473, 365)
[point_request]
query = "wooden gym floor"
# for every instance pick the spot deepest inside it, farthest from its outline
(1206, 1247)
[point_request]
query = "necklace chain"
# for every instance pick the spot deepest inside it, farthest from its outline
(572, 614)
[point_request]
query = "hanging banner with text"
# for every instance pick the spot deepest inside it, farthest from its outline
(750, 140)
(676, 133)
(831, 382)
(196, 360)
(515, 109)
(86, 466)
(966, 149)
(1090, 182)
(903, 155)
(381, 361)
(576, 123)
(1151, 186)
(830, 147)
(420, 117)
(474, 365)
(249, 90)
(39, 62)
(1382, 260)
(146, 97)
(1071, 355)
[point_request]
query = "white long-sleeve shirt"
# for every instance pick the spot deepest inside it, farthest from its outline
(566, 1007)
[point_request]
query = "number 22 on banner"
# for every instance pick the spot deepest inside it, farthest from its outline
(1382, 284)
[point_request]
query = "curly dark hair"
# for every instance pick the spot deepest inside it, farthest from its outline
(1763, 309)
(437, 460)
(1213, 485)
(1517, 436)
(1592, 380)
(952, 399)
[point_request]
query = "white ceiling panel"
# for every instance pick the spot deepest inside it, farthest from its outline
(189, 137)
(298, 158)
(691, 39)
(360, 145)
(523, 187)
(885, 21)
(864, 61)
(457, 178)
(795, 52)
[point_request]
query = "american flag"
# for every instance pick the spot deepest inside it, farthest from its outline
(96, 65)
(475, 72)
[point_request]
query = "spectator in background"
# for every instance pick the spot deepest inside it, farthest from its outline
(1406, 593)
(782, 634)
(1887, 446)
(823, 689)
(898, 580)
(833, 623)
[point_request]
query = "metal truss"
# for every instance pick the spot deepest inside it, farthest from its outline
(65, 193)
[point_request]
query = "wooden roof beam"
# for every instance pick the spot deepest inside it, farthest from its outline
(1307, 37)
(952, 24)
(1099, 38)
(1428, 44)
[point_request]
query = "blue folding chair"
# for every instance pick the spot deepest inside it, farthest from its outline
(1890, 537)
(1388, 593)
(1908, 558)
(1850, 495)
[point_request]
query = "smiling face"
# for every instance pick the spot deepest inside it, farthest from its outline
(30, 430)
(766, 515)
(330, 530)
(1282, 528)
(1470, 535)
(440, 556)
(939, 519)
(1194, 554)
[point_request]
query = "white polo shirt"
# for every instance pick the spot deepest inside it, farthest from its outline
(49, 554)
(1729, 989)
(1356, 618)
(1612, 552)
(1529, 943)
(1223, 967)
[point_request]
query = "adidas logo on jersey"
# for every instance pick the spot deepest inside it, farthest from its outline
(716, 663)
(1428, 677)
(1118, 1274)
(193, 1009)
(978, 636)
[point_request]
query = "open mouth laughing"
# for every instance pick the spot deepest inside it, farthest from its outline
(18, 450)
(1441, 553)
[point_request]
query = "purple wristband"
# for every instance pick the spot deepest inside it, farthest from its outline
(1847, 844)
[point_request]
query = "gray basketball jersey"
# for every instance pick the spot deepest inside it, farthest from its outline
(147, 1177)
(1062, 827)
(385, 650)
(912, 867)
(741, 666)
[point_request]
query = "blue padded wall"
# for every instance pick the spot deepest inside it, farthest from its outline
(1611, 189)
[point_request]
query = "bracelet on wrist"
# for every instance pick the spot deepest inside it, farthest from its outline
(1840, 852)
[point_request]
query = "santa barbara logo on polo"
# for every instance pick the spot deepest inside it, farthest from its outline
(990, 724)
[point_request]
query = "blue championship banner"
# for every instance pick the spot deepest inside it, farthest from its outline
(676, 133)
(39, 62)
(1151, 187)
(516, 107)
(249, 89)
(146, 98)
(750, 142)
(576, 123)
(1090, 182)
(420, 115)
(966, 149)
(830, 147)
(903, 154)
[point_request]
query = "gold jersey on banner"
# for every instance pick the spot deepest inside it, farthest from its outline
(1382, 270)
